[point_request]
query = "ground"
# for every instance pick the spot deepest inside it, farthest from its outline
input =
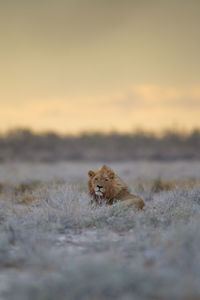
(53, 246)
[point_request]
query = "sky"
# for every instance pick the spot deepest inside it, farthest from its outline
(99, 65)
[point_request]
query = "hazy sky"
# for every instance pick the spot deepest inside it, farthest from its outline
(75, 65)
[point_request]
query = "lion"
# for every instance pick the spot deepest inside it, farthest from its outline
(105, 187)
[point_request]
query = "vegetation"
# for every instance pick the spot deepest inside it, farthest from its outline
(25, 145)
(56, 247)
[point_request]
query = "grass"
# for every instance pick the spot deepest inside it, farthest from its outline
(56, 247)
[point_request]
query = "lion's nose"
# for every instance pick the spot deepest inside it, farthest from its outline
(99, 186)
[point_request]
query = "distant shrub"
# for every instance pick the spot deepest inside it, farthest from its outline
(23, 145)
(159, 185)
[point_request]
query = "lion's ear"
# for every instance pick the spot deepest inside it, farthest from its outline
(91, 173)
(111, 175)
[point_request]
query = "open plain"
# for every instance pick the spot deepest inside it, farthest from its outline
(53, 246)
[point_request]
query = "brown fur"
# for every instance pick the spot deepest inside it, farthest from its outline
(106, 187)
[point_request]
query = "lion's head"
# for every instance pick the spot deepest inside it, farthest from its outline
(101, 183)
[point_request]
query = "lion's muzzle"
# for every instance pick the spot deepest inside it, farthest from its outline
(99, 191)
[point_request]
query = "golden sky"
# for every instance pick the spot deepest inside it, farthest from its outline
(76, 65)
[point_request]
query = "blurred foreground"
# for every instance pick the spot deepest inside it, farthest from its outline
(52, 246)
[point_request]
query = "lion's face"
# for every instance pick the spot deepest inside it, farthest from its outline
(101, 182)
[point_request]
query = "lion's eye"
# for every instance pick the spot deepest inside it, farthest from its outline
(106, 179)
(96, 179)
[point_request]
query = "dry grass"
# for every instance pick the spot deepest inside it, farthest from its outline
(160, 185)
(53, 246)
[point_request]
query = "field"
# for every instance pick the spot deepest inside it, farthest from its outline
(53, 246)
